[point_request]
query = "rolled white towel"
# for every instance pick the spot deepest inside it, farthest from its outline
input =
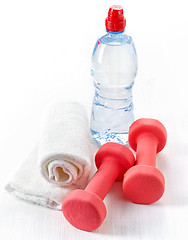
(62, 156)
(63, 153)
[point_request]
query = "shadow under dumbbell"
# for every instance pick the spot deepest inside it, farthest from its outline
(171, 164)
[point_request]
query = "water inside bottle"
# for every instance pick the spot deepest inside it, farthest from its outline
(114, 66)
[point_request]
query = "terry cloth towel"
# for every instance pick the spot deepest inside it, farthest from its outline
(60, 162)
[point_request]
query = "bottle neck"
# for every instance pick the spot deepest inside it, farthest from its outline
(115, 34)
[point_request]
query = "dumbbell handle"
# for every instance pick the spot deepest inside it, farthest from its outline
(146, 150)
(103, 179)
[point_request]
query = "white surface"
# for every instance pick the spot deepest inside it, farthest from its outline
(45, 49)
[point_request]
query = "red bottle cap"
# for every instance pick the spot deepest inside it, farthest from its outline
(115, 22)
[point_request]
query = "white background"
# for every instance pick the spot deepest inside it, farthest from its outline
(45, 52)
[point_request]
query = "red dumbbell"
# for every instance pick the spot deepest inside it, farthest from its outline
(84, 209)
(144, 183)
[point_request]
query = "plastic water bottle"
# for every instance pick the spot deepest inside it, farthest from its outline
(114, 67)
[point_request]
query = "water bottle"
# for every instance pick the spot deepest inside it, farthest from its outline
(114, 67)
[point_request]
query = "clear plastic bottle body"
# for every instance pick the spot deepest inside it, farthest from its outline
(114, 67)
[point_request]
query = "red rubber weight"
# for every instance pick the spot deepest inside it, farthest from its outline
(84, 209)
(144, 183)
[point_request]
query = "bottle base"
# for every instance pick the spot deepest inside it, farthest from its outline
(106, 136)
